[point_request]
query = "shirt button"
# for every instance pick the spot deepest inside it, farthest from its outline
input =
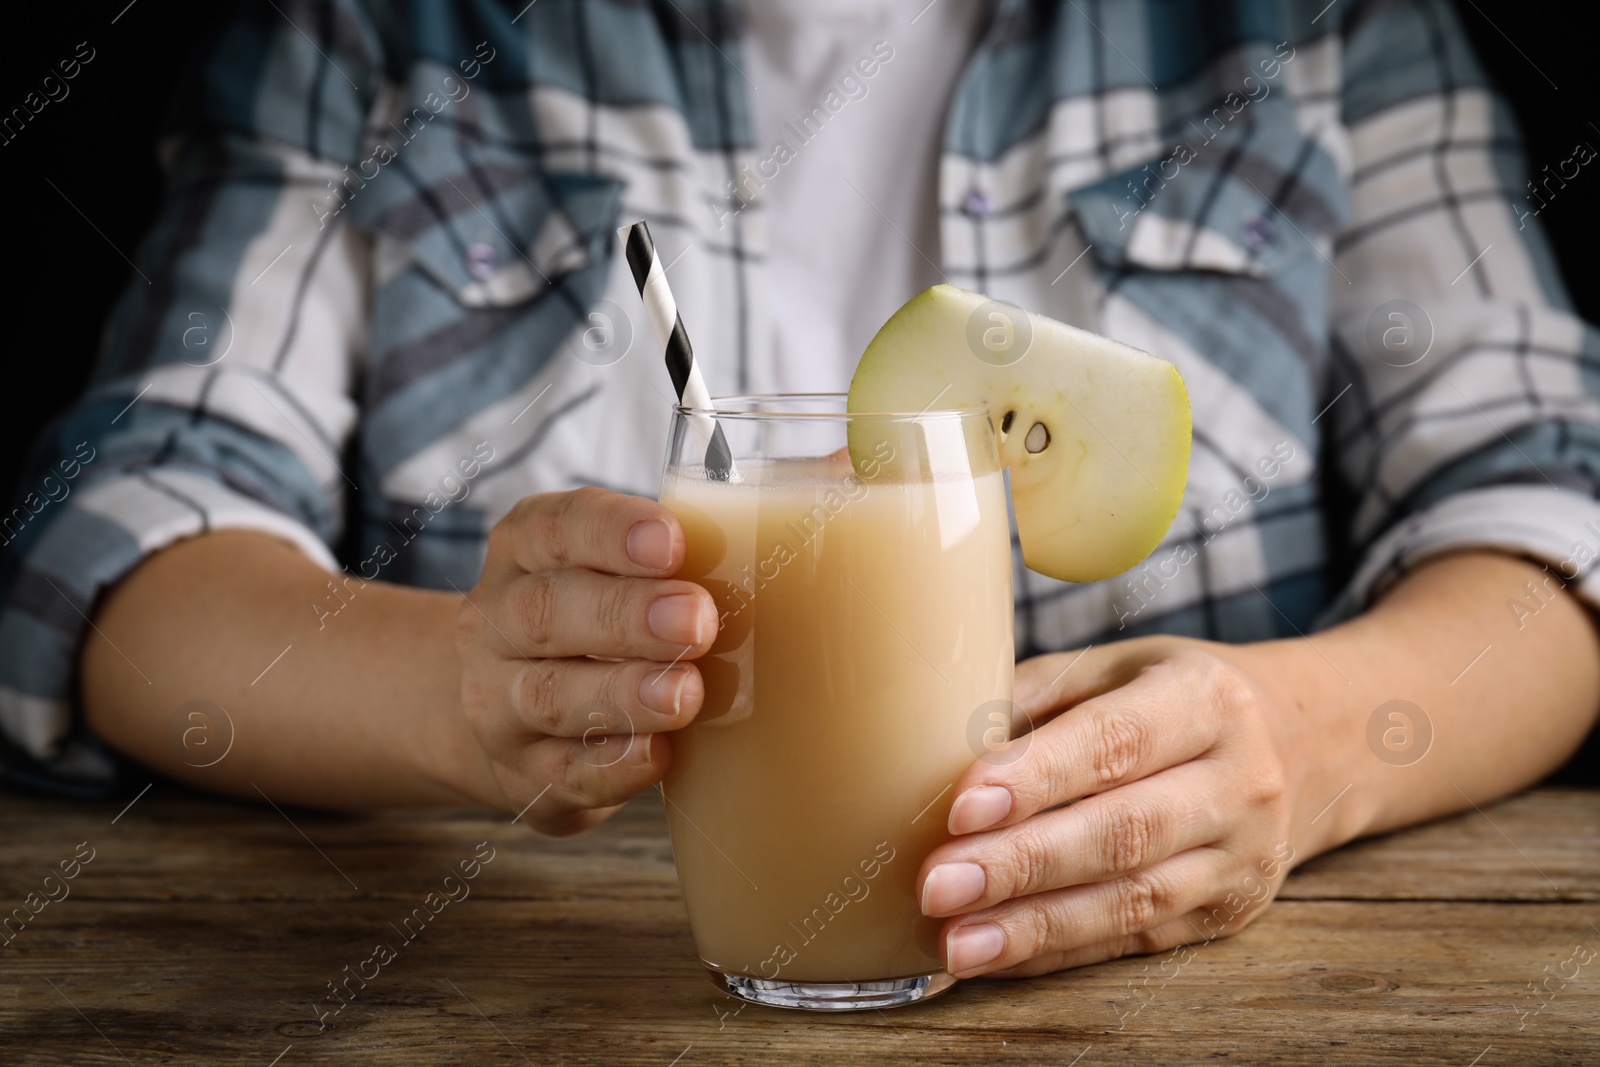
(977, 203)
(1260, 232)
(482, 260)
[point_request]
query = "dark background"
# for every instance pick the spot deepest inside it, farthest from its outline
(97, 147)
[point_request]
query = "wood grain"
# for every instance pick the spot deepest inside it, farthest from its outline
(1543, 845)
(207, 932)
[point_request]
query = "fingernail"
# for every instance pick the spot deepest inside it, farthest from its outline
(950, 886)
(639, 749)
(650, 544)
(979, 808)
(662, 691)
(969, 947)
(679, 618)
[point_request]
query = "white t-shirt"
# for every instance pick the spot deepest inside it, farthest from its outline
(852, 212)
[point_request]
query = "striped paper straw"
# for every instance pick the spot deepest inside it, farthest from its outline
(662, 310)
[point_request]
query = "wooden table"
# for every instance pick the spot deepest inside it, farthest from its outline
(208, 932)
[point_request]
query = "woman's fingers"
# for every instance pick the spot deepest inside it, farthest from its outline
(1044, 685)
(512, 704)
(561, 779)
(1100, 837)
(577, 612)
(592, 528)
(1049, 684)
(1184, 930)
(576, 697)
(1082, 916)
(570, 576)
(570, 735)
(1169, 713)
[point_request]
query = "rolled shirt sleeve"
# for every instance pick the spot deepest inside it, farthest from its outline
(1463, 405)
(223, 397)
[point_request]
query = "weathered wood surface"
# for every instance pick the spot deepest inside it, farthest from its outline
(1542, 846)
(205, 932)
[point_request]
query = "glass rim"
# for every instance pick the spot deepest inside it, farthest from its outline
(720, 412)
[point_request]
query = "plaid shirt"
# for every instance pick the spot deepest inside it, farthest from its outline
(384, 300)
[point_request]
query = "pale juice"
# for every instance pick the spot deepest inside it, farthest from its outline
(865, 645)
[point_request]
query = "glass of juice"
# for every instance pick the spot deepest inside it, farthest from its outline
(861, 566)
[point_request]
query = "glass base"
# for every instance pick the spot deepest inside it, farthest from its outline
(833, 996)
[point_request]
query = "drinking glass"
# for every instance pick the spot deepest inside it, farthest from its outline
(861, 567)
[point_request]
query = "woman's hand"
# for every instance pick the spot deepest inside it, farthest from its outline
(574, 649)
(1199, 773)
(1182, 772)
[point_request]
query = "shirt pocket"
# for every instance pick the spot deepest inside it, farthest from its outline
(483, 266)
(490, 228)
(1253, 201)
(1228, 244)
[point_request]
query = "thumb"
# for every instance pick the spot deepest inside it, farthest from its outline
(1047, 685)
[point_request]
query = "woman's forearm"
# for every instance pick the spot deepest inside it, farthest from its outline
(1507, 696)
(361, 710)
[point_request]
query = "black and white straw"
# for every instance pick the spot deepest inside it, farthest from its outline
(662, 311)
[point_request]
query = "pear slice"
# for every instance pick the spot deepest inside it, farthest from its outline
(1096, 433)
